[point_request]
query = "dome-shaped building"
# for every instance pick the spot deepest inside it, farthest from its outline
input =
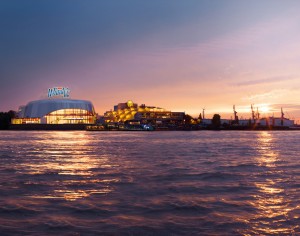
(56, 111)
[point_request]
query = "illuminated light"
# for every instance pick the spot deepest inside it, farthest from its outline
(130, 103)
(58, 91)
(70, 116)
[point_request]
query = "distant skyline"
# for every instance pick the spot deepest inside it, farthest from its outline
(179, 55)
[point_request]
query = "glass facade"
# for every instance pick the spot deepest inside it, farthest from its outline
(70, 116)
(56, 112)
(18, 121)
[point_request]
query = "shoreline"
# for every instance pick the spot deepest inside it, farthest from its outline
(95, 128)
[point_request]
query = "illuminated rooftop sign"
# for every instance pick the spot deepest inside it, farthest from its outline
(58, 92)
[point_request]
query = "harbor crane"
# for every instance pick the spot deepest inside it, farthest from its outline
(236, 118)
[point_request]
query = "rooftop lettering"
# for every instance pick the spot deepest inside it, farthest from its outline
(58, 91)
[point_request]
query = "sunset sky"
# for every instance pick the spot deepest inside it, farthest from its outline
(180, 55)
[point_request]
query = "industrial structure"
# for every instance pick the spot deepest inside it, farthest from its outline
(255, 122)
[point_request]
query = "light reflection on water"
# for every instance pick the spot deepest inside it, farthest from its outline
(150, 183)
(268, 156)
(271, 201)
(69, 154)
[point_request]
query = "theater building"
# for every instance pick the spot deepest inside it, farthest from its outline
(131, 112)
(57, 109)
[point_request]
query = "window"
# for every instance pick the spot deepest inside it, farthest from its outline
(70, 116)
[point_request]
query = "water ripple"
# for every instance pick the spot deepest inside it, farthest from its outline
(149, 183)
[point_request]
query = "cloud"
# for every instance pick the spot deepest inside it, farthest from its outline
(274, 79)
(269, 96)
(288, 106)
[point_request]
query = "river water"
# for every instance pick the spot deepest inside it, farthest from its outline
(150, 183)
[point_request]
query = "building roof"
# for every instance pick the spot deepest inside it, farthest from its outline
(41, 108)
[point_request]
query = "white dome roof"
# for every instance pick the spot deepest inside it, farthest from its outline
(40, 108)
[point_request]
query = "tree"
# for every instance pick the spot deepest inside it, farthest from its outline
(200, 116)
(188, 119)
(199, 120)
(5, 119)
(216, 121)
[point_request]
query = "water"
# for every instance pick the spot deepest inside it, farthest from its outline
(149, 183)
